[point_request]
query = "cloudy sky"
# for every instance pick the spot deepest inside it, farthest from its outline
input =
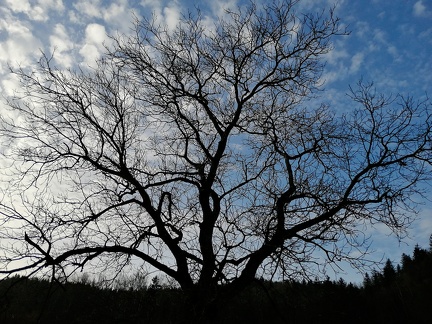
(390, 43)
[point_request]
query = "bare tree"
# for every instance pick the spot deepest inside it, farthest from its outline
(197, 151)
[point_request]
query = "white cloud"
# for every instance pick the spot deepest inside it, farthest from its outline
(73, 17)
(62, 45)
(118, 15)
(94, 43)
(114, 11)
(172, 16)
(420, 10)
(395, 52)
(95, 34)
(219, 7)
(9, 84)
(152, 4)
(53, 4)
(356, 62)
(38, 11)
(379, 36)
(362, 29)
(90, 8)
(90, 53)
(115, 15)
(336, 55)
(426, 35)
(152, 7)
(319, 4)
(341, 64)
(19, 6)
(168, 15)
(20, 45)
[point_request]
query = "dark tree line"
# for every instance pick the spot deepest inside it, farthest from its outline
(394, 294)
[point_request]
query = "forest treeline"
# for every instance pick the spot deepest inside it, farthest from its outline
(395, 294)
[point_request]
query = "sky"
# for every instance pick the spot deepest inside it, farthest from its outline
(390, 43)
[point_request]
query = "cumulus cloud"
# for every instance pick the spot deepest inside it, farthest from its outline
(115, 15)
(20, 45)
(341, 63)
(314, 4)
(335, 56)
(395, 53)
(38, 11)
(119, 15)
(93, 43)
(150, 3)
(219, 7)
(89, 8)
(8, 85)
(426, 35)
(172, 16)
(165, 14)
(95, 34)
(420, 10)
(18, 6)
(61, 44)
(362, 29)
(356, 62)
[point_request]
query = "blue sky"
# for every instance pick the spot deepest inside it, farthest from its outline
(390, 44)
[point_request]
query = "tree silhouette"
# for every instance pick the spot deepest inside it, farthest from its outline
(389, 272)
(399, 298)
(196, 151)
(430, 243)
